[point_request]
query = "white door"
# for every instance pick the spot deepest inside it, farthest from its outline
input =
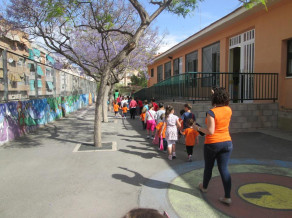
(246, 43)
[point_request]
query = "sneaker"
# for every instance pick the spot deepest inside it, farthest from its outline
(225, 200)
(190, 158)
(169, 157)
(201, 188)
(152, 137)
(148, 137)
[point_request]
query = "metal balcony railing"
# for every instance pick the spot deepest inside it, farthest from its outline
(193, 86)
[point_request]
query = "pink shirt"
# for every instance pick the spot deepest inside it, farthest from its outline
(133, 104)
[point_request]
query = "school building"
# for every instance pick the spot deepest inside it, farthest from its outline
(255, 43)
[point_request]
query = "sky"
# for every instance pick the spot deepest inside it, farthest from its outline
(176, 29)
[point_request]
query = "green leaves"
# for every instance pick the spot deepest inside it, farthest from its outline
(107, 20)
(251, 3)
(55, 9)
(182, 7)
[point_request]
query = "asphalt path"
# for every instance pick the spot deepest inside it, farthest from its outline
(41, 176)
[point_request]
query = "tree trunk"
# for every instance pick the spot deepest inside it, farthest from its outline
(97, 122)
(98, 108)
(111, 97)
(104, 104)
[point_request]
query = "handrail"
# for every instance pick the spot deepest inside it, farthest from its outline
(196, 86)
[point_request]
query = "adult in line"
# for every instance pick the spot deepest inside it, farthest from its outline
(119, 99)
(218, 145)
(116, 94)
(160, 112)
(132, 106)
(140, 105)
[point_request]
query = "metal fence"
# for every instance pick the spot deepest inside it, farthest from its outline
(195, 86)
(24, 78)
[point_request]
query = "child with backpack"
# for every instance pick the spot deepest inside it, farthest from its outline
(150, 121)
(161, 129)
(191, 138)
(142, 117)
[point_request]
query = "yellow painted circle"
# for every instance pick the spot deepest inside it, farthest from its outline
(267, 195)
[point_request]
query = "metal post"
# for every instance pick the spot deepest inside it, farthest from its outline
(5, 74)
(36, 81)
(242, 78)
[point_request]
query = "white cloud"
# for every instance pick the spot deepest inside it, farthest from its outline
(169, 41)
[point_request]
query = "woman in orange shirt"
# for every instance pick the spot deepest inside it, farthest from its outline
(218, 145)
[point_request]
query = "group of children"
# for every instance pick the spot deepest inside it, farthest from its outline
(123, 107)
(169, 127)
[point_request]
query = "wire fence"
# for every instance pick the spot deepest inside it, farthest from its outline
(195, 86)
(23, 78)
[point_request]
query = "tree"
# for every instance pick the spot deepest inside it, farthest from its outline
(139, 80)
(97, 35)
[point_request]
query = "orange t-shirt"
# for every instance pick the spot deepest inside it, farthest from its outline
(159, 127)
(191, 136)
(124, 109)
(143, 115)
(222, 120)
(116, 107)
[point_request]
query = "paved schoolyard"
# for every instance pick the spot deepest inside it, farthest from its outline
(41, 176)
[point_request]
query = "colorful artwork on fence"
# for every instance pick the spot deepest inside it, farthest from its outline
(22, 117)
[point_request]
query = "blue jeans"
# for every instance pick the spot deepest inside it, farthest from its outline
(220, 152)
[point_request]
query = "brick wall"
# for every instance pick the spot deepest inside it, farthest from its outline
(244, 116)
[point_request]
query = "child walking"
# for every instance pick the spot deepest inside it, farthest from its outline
(142, 117)
(161, 129)
(172, 123)
(191, 138)
(124, 111)
(116, 109)
(150, 121)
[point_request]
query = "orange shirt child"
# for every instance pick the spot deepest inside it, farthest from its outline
(116, 108)
(125, 110)
(191, 136)
(159, 128)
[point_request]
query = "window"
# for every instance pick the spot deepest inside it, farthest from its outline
(192, 62)
(177, 66)
(20, 62)
(159, 73)
(211, 65)
(289, 58)
(49, 72)
(31, 85)
(167, 70)
(152, 72)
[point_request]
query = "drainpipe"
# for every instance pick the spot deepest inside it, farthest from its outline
(5, 74)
